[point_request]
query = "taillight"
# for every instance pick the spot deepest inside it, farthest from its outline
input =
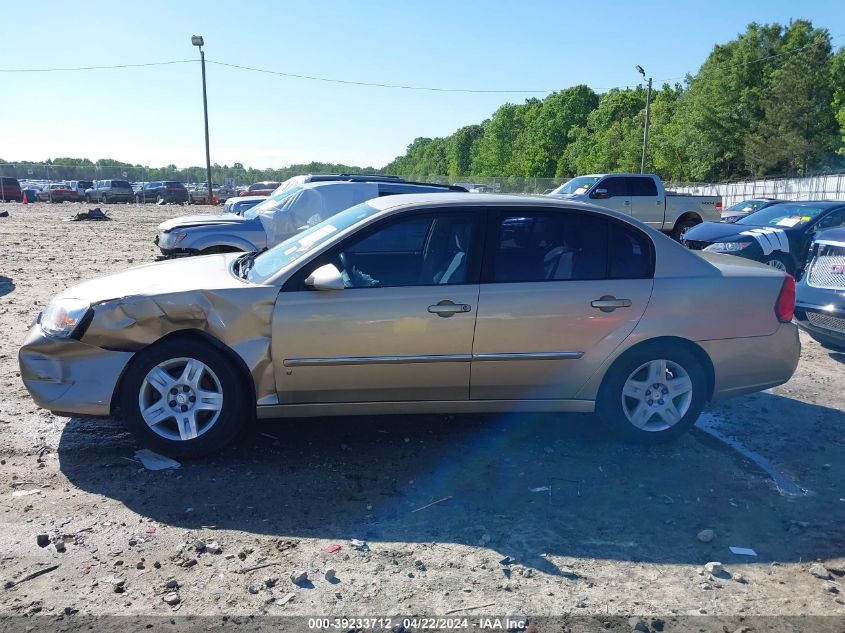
(785, 305)
(719, 204)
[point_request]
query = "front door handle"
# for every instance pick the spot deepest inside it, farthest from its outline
(448, 308)
(627, 203)
(608, 303)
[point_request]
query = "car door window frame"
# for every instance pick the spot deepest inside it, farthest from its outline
(495, 216)
(296, 282)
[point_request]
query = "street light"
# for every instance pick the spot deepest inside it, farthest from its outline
(197, 41)
(647, 104)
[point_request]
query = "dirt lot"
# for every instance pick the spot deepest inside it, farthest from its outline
(616, 534)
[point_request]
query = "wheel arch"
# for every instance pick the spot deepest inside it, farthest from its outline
(199, 336)
(686, 215)
(672, 342)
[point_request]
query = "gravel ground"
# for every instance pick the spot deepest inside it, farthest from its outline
(614, 530)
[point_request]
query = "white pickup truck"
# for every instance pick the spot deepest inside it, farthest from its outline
(642, 196)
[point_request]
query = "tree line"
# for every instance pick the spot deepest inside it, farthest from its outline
(83, 168)
(769, 103)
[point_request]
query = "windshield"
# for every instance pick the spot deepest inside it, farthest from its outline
(783, 215)
(274, 260)
(747, 206)
(578, 185)
(272, 203)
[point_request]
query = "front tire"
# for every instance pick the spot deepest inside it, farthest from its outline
(184, 399)
(653, 394)
(779, 262)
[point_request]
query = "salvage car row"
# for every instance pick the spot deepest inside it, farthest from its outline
(116, 190)
(367, 299)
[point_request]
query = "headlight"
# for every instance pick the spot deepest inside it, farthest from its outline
(727, 247)
(61, 318)
(179, 237)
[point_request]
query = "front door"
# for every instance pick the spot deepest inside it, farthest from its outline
(402, 327)
(561, 290)
(618, 198)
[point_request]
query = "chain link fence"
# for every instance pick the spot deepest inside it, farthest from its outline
(820, 187)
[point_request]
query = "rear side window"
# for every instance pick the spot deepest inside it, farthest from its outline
(642, 186)
(549, 246)
(10, 181)
(630, 253)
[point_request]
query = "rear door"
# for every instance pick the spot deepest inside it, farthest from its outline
(646, 203)
(560, 291)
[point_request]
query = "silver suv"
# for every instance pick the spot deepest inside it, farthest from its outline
(107, 191)
(298, 203)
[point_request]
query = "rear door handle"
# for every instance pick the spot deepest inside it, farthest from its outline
(627, 203)
(608, 303)
(448, 308)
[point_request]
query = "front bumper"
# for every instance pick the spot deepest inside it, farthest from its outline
(827, 325)
(68, 376)
(746, 365)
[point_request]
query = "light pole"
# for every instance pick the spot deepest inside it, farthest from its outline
(647, 104)
(197, 41)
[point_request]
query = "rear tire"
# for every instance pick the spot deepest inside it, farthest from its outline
(653, 394)
(682, 227)
(193, 428)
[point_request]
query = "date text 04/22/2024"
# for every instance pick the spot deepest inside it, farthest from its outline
(421, 623)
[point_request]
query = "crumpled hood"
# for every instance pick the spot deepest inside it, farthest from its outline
(186, 221)
(209, 272)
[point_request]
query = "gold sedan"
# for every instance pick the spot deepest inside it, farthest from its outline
(419, 304)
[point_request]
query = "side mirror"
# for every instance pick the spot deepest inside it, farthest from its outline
(600, 194)
(326, 277)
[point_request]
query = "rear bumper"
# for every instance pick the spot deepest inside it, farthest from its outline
(68, 376)
(746, 365)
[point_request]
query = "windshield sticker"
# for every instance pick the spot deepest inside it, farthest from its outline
(769, 239)
(790, 221)
(291, 250)
(806, 218)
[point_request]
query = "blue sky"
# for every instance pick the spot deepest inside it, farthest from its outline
(154, 115)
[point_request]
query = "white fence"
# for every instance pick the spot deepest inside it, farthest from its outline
(828, 187)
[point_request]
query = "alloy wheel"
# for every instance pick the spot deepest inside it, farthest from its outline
(777, 264)
(180, 399)
(657, 395)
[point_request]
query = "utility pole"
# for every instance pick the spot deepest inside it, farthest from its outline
(197, 41)
(647, 108)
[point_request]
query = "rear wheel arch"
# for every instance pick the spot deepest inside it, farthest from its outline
(202, 338)
(663, 342)
(687, 219)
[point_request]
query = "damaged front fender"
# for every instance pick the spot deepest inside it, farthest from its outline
(240, 318)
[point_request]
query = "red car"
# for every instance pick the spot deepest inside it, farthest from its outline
(10, 189)
(58, 192)
(259, 189)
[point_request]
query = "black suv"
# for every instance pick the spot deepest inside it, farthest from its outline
(162, 190)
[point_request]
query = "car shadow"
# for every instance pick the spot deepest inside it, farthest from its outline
(530, 487)
(838, 357)
(7, 286)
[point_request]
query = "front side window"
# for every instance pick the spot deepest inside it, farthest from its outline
(615, 186)
(419, 250)
(550, 246)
